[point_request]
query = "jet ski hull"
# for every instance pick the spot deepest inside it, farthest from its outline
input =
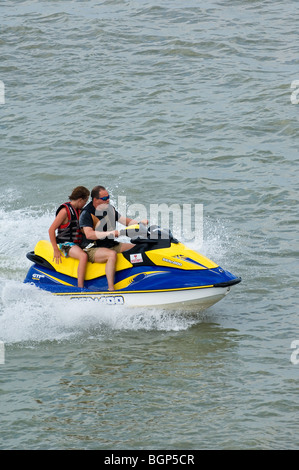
(198, 299)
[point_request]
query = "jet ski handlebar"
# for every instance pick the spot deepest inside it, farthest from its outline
(153, 233)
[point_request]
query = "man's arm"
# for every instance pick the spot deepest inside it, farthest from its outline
(89, 223)
(127, 221)
(92, 234)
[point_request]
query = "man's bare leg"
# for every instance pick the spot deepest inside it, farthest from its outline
(125, 247)
(105, 255)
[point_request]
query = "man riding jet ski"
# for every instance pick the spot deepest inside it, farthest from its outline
(156, 270)
(98, 224)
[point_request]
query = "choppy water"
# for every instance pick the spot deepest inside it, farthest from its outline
(188, 102)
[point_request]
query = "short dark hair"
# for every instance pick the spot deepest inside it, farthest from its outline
(78, 193)
(95, 191)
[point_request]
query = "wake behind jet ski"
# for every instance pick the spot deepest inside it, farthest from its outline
(157, 271)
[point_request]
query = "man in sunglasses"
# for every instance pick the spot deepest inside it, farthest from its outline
(98, 221)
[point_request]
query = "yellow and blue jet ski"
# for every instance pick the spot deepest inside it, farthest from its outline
(157, 271)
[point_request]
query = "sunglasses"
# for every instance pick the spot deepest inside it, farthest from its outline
(105, 198)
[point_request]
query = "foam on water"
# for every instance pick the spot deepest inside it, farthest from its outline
(28, 314)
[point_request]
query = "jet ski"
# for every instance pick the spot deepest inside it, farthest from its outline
(157, 271)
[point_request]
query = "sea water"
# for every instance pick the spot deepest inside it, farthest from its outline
(176, 103)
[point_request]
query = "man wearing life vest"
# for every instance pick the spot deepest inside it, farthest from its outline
(98, 220)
